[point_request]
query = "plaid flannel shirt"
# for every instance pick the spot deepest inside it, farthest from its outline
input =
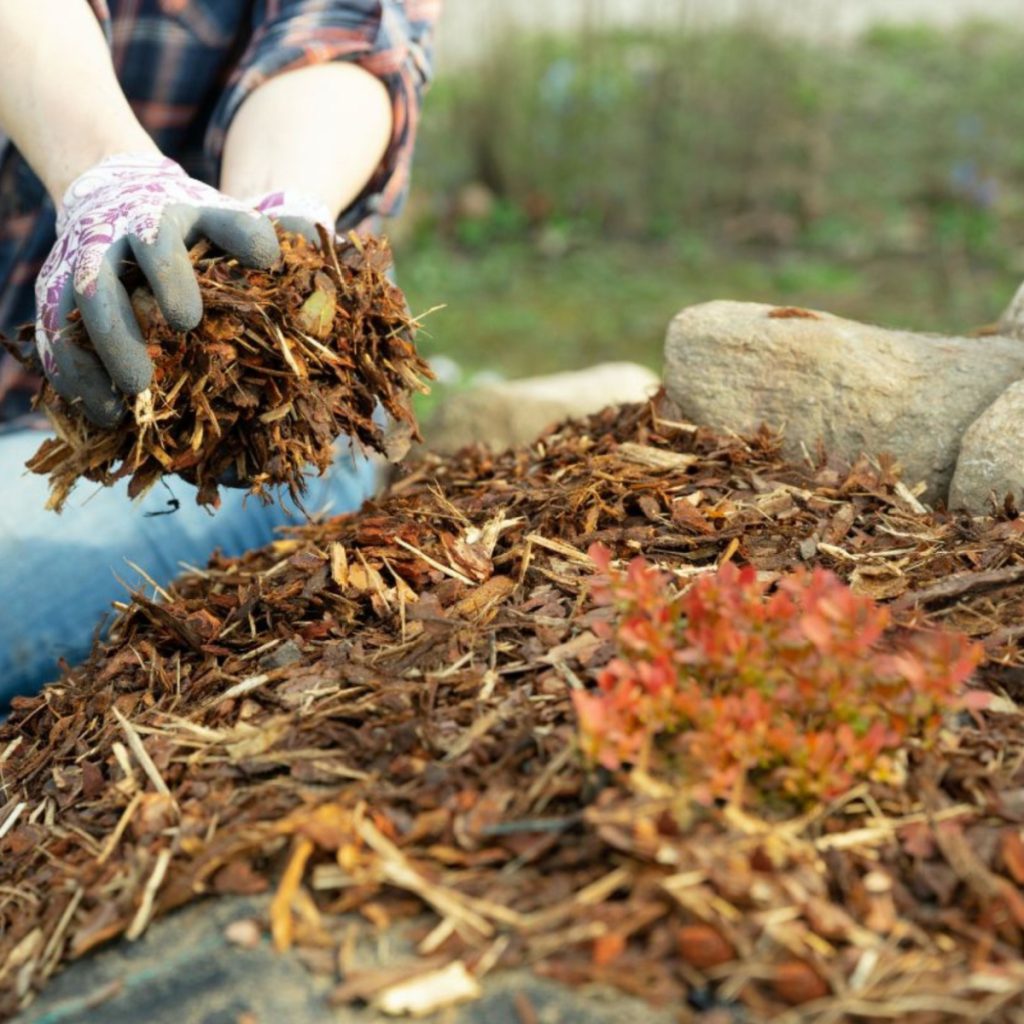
(186, 66)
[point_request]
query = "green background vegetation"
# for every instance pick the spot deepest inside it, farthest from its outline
(572, 194)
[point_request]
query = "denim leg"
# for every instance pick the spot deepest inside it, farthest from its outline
(60, 573)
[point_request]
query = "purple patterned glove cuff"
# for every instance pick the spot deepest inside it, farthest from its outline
(289, 203)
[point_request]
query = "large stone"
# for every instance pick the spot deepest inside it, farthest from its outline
(854, 387)
(991, 463)
(516, 411)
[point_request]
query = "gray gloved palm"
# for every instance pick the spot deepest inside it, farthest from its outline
(146, 207)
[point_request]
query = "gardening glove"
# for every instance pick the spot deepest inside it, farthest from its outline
(131, 205)
(294, 211)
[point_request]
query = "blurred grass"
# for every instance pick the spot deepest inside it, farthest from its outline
(573, 194)
(508, 310)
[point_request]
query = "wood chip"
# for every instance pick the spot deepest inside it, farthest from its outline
(430, 993)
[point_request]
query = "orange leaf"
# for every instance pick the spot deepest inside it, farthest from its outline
(608, 948)
(1012, 850)
(798, 982)
(977, 700)
(792, 313)
(703, 946)
(1014, 901)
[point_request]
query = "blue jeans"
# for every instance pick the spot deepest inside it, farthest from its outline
(60, 573)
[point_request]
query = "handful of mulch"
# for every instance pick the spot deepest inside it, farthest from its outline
(283, 363)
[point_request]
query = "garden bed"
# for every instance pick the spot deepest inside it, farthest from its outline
(378, 714)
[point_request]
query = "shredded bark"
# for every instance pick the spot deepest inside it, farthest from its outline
(282, 364)
(373, 715)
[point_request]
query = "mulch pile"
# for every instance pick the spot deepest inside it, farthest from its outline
(373, 715)
(283, 363)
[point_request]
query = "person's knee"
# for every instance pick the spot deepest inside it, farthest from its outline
(61, 573)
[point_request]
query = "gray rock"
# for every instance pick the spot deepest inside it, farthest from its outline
(854, 387)
(185, 971)
(991, 463)
(286, 654)
(517, 411)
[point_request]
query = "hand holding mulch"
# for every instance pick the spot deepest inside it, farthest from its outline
(283, 363)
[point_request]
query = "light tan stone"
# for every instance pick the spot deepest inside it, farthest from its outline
(517, 411)
(991, 462)
(854, 387)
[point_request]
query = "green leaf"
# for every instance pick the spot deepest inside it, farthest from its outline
(317, 314)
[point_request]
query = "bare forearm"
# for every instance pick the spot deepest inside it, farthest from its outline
(60, 100)
(319, 130)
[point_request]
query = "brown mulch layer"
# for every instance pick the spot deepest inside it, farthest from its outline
(283, 363)
(374, 715)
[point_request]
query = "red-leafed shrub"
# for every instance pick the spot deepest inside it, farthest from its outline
(799, 692)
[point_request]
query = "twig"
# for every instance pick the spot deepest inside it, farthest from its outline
(115, 837)
(141, 920)
(961, 583)
(11, 818)
(141, 754)
(434, 564)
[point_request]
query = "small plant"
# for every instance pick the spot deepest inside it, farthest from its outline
(800, 692)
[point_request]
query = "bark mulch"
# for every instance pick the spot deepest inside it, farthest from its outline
(283, 362)
(374, 715)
